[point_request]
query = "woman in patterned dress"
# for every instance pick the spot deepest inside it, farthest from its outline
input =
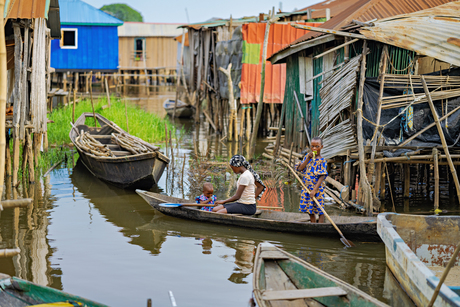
(314, 171)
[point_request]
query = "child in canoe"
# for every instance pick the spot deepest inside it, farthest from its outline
(249, 186)
(207, 197)
(314, 171)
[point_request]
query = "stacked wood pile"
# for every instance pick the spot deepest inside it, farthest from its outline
(131, 144)
(89, 144)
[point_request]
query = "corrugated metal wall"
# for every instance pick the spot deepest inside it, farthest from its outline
(97, 50)
(160, 51)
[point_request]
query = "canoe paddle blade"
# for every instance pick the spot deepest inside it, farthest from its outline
(347, 243)
(170, 205)
(174, 205)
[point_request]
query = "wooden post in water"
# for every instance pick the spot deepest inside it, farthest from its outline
(107, 91)
(30, 156)
(231, 102)
(17, 100)
(272, 19)
(406, 180)
(73, 105)
(442, 137)
(91, 96)
(3, 89)
(436, 178)
(364, 189)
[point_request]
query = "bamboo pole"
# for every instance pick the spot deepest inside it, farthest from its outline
(452, 261)
(73, 105)
(180, 70)
(252, 145)
(107, 91)
(365, 188)
(436, 178)
(443, 139)
(91, 96)
(18, 99)
(3, 90)
(231, 101)
(126, 115)
(280, 127)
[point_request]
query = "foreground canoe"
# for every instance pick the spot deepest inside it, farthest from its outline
(125, 169)
(416, 248)
(281, 279)
(357, 227)
(16, 292)
(183, 110)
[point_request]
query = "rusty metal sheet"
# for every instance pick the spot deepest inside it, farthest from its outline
(366, 10)
(26, 9)
(432, 32)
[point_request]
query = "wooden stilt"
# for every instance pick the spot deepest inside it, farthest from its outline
(406, 180)
(442, 137)
(30, 157)
(365, 189)
(16, 143)
(436, 178)
(36, 147)
(64, 87)
(382, 183)
(45, 141)
(280, 130)
(73, 104)
(3, 98)
(347, 171)
(252, 146)
(248, 122)
(7, 156)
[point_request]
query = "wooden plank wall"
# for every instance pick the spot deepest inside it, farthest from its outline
(161, 52)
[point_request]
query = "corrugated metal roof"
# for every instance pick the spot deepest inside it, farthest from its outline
(428, 32)
(144, 29)
(335, 7)
(77, 12)
(25, 9)
(365, 10)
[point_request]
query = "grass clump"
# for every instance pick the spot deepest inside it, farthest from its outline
(147, 126)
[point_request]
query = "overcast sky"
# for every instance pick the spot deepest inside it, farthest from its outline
(174, 11)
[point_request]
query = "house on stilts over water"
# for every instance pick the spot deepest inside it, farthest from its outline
(379, 83)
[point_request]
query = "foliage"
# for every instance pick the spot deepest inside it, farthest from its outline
(123, 12)
(146, 126)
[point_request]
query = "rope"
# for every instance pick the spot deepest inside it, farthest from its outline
(404, 69)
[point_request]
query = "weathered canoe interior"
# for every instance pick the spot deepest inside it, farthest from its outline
(433, 240)
(103, 135)
(282, 280)
(270, 214)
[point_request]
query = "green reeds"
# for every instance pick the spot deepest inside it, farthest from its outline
(147, 126)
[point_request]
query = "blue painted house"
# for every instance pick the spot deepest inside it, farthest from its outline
(89, 39)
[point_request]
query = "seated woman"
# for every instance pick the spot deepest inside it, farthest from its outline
(249, 186)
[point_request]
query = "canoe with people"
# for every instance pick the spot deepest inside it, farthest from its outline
(241, 210)
(115, 156)
(281, 279)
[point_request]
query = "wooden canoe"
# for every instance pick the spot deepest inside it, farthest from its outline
(357, 227)
(125, 170)
(281, 279)
(16, 292)
(183, 110)
(416, 248)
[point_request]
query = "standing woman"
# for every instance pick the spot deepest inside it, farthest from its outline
(249, 186)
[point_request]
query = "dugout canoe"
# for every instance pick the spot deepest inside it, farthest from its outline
(16, 292)
(358, 227)
(183, 110)
(125, 170)
(281, 279)
(416, 248)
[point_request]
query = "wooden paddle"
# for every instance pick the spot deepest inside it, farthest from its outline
(346, 242)
(174, 205)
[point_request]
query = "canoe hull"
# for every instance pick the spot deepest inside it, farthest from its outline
(140, 172)
(126, 171)
(183, 110)
(268, 220)
(18, 292)
(401, 237)
(276, 271)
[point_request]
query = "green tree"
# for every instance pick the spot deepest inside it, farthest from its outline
(122, 12)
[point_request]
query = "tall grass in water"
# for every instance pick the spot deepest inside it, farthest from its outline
(147, 126)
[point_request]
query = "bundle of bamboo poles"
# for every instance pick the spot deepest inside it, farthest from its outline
(89, 144)
(131, 144)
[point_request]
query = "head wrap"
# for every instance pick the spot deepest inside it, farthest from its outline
(239, 160)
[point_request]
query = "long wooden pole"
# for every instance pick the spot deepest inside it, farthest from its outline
(444, 275)
(260, 104)
(3, 89)
(436, 178)
(280, 127)
(344, 241)
(365, 188)
(91, 96)
(181, 65)
(442, 137)
(231, 100)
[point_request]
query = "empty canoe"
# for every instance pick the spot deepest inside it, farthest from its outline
(281, 279)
